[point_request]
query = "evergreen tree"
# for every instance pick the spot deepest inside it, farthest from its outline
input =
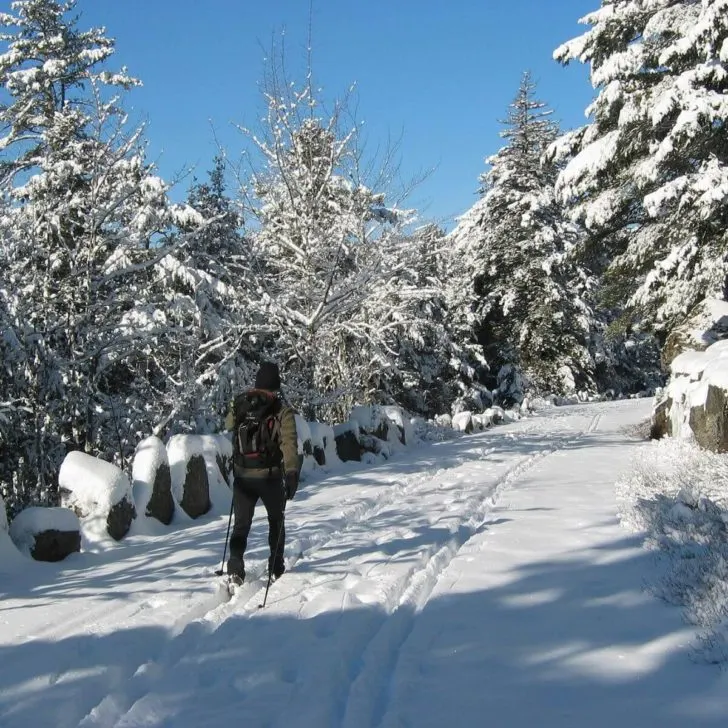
(423, 365)
(525, 297)
(83, 221)
(218, 245)
(202, 293)
(650, 172)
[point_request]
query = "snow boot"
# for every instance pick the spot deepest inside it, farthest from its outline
(276, 568)
(236, 569)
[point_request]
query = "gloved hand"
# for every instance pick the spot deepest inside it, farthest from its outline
(291, 484)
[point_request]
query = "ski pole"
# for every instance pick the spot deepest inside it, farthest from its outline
(219, 572)
(270, 571)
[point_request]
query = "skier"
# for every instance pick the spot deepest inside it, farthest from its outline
(265, 466)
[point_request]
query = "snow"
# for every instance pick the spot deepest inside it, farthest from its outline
(181, 448)
(591, 160)
(349, 426)
(303, 432)
(397, 415)
(33, 520)
(483, 577)
(678, 495)
(693, 372)
(690, 364)
(323, 436)
(707, 367)
(706, 322)
(462, 421)
(715, 372)
(10, 558)
(368, 417)
(94, 485)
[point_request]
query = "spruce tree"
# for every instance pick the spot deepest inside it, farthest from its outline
(649, 173)
(526, 297)
(84, 221)
(207, 347)
(426, 364)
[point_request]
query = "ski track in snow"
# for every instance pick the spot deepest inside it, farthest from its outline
(360, 697)
(195, 626)
(381, 551)
(368, 693)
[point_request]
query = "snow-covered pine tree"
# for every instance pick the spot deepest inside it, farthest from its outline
(84, 220)
(523, 295)
(202, 293)
(428, 363)
(320, 241)
(217, 246)
(649, 175)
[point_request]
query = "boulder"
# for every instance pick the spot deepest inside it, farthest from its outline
(10, 558)
(46, 534)
(660, 423)
(190, 473)
(55, 545)
(396, 415)
(319, 455)
(347, 442)
(324, 443)
(120, 518)
(152, 482)
(3, 516)
(709, 421)
(371, 420)
(444, 420)
(224, 465)
(463, 422)
(381, 424)
(195, 500)
(695, 400)
(370, 443)
(95, 489)
(161, 503)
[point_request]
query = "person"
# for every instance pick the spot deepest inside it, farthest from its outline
(273, 479)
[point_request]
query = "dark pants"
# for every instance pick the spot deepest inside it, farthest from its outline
(246, 492)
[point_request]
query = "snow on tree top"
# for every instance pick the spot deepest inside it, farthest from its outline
(713, 314)
(591, 160)
(94, 484)
(34, 520)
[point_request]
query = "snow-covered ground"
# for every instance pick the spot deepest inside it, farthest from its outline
(480, 581)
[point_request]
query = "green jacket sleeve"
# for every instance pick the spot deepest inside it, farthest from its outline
(289, 440)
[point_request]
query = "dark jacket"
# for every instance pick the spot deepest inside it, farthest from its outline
(289, 437)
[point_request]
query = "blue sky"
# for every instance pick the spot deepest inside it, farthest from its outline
(438, 74)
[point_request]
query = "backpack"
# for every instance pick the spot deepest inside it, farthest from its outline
(257, 432)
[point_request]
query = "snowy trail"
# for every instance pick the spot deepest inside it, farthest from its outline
(474, 573)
